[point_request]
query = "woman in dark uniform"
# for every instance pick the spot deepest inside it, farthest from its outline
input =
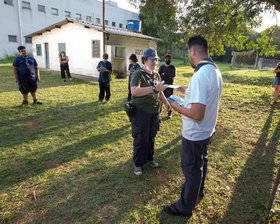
(146, 91)
(64, 66)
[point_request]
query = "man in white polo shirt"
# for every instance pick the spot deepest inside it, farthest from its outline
(199, 115)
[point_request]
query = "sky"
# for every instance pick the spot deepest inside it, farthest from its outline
(269, 19)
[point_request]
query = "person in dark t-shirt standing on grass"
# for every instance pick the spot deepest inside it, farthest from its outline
(26, 73)
(167, 73)
(277, 83)
(133, 66)
(105, 69)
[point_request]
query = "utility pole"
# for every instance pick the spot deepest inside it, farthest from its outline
(19, 23)
(103, 26)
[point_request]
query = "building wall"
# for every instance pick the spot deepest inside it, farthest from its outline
(132, 46)
(34, 20)
(78, 40)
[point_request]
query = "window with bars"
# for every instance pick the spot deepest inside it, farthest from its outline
(26, 5)
(38, 50)
(54, 11)
(88, 18)
(41, 8)
(78, 16)
(28, 40)
(67, 14)
(12, 38)
(96, 48)
(8, 2)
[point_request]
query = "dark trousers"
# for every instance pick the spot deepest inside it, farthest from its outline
(129, 93)
(63, 69)
(144, 129)
(129, 90)
(194, 160)
(104, 87)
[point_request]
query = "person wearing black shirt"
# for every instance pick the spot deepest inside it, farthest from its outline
(133, 66)
(167, 73)
(277, 83)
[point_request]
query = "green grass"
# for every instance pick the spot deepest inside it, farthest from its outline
(70, 159)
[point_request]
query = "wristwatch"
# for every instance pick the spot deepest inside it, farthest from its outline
(154, 88)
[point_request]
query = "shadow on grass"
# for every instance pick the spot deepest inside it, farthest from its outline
(55, 118)
(37, 162)
(100, 192)
(246, 80)
(248, 203)
(187, 75)
(47, 80)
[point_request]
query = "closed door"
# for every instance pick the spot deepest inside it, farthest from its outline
(47, 57)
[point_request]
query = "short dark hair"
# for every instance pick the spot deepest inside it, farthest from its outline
(20, 48)
(133, 57)
(143, 59)
(200, 41)
(105, 55)
(168, 56)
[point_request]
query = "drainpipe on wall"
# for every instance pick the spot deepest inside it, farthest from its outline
(19, 23)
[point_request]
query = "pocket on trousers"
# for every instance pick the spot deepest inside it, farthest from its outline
(155, 129)
(135, 131)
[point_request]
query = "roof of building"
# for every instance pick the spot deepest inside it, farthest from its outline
(97, 27)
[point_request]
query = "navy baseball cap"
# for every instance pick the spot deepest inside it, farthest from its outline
(150, 54)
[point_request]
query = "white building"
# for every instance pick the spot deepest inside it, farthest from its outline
(21, 17)
(83, 44)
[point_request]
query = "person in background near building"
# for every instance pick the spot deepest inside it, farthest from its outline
(105, 69)
(26, 73)
(133, 66)
(64, 66)
(146, 91)
(199, 115)
(277, 83)
(167, 73)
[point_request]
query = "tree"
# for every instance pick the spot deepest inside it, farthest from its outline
(222, 22)
(159, 19)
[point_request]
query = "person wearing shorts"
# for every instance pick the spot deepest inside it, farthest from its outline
(277, 83)
(26, 73)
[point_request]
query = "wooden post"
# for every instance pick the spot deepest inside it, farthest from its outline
(103, 27)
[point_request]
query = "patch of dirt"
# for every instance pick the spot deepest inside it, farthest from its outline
(34, 123)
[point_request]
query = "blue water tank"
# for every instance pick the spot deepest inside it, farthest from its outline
(134, 25)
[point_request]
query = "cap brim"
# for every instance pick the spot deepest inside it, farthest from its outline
(152, 58)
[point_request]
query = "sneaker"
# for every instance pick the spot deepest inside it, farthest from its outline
(97, 101)
(64, 80)
(37, 102)
(273, 102)
(24, 103)
(107, 101)
(138, 170)
(169, 114)
(172, 210)
(153, 163)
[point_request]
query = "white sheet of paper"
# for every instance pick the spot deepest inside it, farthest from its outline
(172, 86)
